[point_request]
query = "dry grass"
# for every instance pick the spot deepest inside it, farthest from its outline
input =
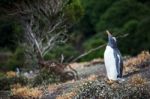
(16, 86)
(97, 61)
(92, 77)
(78, 65)
(87, 64)
(26, 92)
(67, 96)
(133, 64)
(53, 87)
(137, 80)
(11, 74)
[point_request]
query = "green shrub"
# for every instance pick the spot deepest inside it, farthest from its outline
(2, 75)
(45, 77)
(93, 43)
(17, 59)
(74, 11)
(66, 49)
(6, 83)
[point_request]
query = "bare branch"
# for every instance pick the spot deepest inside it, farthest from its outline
(96, 48)
(90, 51)
(44, 24)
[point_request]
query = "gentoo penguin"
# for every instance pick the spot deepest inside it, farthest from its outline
(113, 59)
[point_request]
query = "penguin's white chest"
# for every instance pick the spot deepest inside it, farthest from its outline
(110, 63)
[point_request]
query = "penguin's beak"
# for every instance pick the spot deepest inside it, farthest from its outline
(108, 32)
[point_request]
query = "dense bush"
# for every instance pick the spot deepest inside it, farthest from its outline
(93, 42)
(2, 75)
(12, 60)
(10, 33)
(7, 82)
(45, 77)
(17, 59)
(118, 16)
(67, 50)
(73, 11)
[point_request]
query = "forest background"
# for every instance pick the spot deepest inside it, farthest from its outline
(90, 19)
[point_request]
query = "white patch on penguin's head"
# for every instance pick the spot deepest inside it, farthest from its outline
(114, 38)
(112, 42)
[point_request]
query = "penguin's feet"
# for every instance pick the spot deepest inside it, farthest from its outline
(110, 82)
(120, 80)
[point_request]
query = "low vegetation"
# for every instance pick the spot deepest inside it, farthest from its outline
(136, 63)
(100, 89)
(136, 86)
(25, 92)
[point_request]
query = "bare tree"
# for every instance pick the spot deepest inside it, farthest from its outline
(44, 24)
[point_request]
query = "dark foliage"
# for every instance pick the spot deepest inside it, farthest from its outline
(6, 83)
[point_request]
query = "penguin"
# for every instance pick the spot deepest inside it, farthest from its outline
(113, 59)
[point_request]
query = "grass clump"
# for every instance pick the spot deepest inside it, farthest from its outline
(140, 61)
(25, 92)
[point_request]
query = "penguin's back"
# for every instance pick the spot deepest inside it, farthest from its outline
(110, 63)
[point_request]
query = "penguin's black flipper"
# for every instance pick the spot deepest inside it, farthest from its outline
(119, 63)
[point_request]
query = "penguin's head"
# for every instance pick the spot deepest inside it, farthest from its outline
(112, 42)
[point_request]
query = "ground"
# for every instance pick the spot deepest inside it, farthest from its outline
(93, 82)
(85, 73)
(90, 73)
